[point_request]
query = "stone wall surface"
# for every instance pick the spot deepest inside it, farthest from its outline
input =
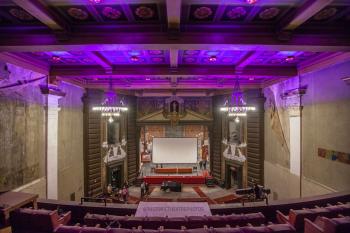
(70, 143)
(325, 123)
(22, 131)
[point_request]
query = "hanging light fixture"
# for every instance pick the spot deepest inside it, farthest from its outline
(111, 106)
(236, 106)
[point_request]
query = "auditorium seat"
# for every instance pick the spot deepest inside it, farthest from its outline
(296, 217)
(328, 225)
(34, 220)
(279, 228)
(190, 222)
(175, 222)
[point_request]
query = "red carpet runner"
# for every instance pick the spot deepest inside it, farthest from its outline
(202, 194)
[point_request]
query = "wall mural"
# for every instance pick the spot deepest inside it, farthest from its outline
(334, 155)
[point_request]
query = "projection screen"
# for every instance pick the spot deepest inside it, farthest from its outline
(174, 150)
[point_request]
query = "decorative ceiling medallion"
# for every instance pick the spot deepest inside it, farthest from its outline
(325, 14)
(269, 13)
(155, 52)
(21, 14)
(275, 61)
(236, 13)
(191, 52)
(202, 12)
(78, 13)
(111, 13)
(144, 12)
(189, 60)
(227, 60)
(87, 60)
(157, 59)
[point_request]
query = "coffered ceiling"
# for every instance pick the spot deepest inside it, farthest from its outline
(172, 45)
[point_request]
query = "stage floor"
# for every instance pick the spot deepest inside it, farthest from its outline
(213, 195)
(146, 169)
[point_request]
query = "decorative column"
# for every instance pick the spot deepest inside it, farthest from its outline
(53, 95)
(292, 102)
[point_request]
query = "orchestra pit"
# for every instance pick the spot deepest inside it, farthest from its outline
(174, 116)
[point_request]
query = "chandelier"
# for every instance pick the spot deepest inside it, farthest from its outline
(236, 106)
(111, 106)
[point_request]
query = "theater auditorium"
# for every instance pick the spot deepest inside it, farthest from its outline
(175, 116)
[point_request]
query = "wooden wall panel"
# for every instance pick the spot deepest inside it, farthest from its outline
(92, 145)
(132, 139)
(255, 137)
(216, 139)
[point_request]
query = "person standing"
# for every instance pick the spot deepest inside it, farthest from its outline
(125, 194)
(205, 164)
(143, 189)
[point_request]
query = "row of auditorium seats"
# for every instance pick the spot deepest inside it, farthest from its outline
(340, 224)
(296, 217)
(37, 220)
(280, 228)
(318, 219)
(189, 222)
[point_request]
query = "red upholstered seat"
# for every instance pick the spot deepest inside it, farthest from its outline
(133, 221)
(261, 229)
(216, 221)
(68, 229)
(153, 222)
(236, 219)
(104, 220)
(228, 230)
(37, 220)
(196, 222)
(281, 228)
(119, 230)
(175, 222)
(328, 225)
(255, 218)
(93, 230)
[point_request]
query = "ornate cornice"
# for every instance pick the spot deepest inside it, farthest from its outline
(292, 100)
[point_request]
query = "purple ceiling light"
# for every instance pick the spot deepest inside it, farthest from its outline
(290, 59)
(95, 1)
(251, 1)
(236, 106)
(134, 58)
(212, 58)
(55, 59)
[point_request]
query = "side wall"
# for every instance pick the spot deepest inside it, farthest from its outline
(70, 143)
(22, 133)
(325, 123)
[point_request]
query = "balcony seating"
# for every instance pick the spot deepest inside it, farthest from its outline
(296, 217)
(190, 222)
(328, 225)
(34, 220)
(279, 228)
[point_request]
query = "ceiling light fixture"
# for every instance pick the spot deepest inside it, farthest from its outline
(252, 1)
(212, 58)
(55, 59)
(236, 106)
(134, 58)
(112, 106)
(95, 1)
(290, 59)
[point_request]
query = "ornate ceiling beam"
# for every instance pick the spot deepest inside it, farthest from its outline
(174, 58)
(305, 12)
(26, 62)
(173, 9)
(160, 40)
(44, 14)
(246, 60)
(101, 60)
(163, 71)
